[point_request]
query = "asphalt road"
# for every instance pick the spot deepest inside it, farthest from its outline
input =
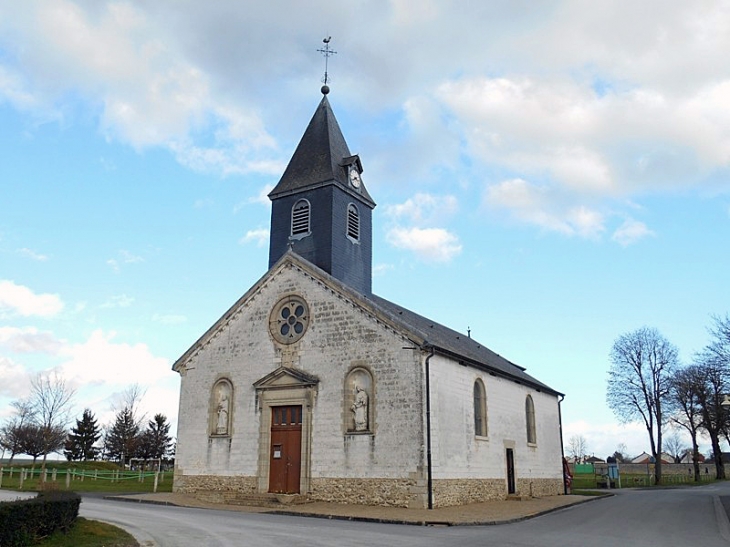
(633, 518)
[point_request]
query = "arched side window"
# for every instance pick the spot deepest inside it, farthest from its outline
(530, 419)
(359, 401)
(353, 222)
(221, 408)
(300, 219)
(480, 409)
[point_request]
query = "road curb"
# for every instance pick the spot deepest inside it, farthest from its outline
(379, 520)
(435, 523)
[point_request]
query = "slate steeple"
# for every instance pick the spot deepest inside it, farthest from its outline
(320, 208)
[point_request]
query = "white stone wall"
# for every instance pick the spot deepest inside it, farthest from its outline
(459, 454)
(340, 336)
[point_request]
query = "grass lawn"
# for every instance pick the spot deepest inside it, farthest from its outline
(90, 533)
(88, 480)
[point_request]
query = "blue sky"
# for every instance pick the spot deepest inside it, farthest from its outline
(548, 175)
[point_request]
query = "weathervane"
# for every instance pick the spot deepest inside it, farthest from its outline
(327, 52)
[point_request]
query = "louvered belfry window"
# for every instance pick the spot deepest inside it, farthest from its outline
(353, 222)
(300, 218)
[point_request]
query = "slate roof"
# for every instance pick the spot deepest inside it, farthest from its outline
(319, 158)
(458, 345)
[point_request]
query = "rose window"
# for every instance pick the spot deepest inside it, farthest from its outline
(289, 319)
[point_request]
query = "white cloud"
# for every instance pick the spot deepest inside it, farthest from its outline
(29, 253)
(382, 269)
(260, 236)
(99, 360)
(126, 60)
(28, 340)
(118, 301)
(420, 213)
(532, 204)
(123, 257)
(586, 222)
(16, 382)
(590, 143)
(21, 300)
(630, 232)
(263, 196)
(423, 209)
(203, 203)
(430, 244)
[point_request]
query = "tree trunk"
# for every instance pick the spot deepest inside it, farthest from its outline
(719, 466)
(657, 457)
(696, 462)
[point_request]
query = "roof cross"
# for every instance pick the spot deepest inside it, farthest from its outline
(327, 52)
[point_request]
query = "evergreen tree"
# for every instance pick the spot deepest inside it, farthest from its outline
(122, 439)
(80, 442)
(156, 440)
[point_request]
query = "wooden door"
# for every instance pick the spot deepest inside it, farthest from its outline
(286, 449)
(511, 471)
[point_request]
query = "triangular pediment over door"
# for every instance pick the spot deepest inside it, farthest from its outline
(286, 378)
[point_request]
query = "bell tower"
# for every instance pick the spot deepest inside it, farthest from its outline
(320, 209)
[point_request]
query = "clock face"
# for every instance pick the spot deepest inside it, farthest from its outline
(354, 177)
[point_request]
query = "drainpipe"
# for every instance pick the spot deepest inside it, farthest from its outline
(562, 450)
(429, 466)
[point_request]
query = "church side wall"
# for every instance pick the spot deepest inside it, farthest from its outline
(468, 468)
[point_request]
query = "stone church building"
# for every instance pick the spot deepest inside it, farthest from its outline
(312, 385)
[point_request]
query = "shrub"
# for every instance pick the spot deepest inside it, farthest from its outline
(25, 522)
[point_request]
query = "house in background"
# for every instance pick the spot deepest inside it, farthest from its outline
(312, 385)
(648, 458)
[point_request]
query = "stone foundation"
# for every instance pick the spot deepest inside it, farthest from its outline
(215, 488)
(385, 492)
(411, 493)
(540, 488)
(448, 492)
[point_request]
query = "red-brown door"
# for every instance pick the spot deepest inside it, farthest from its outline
(286, 449)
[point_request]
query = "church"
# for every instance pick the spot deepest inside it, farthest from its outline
(311, 387)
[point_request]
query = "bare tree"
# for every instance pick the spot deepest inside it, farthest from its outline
(642, 364)
(714, 384)
(31, 441)
(674, 446)
(622, 453)
(130, 400)
(51, 398)
(686, 410)
(719, 347)
(577, 447)
(10, 433)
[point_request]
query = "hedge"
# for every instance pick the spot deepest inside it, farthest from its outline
(25, 522)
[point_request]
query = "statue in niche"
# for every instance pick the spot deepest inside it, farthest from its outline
(222, 410)
(360, 409)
